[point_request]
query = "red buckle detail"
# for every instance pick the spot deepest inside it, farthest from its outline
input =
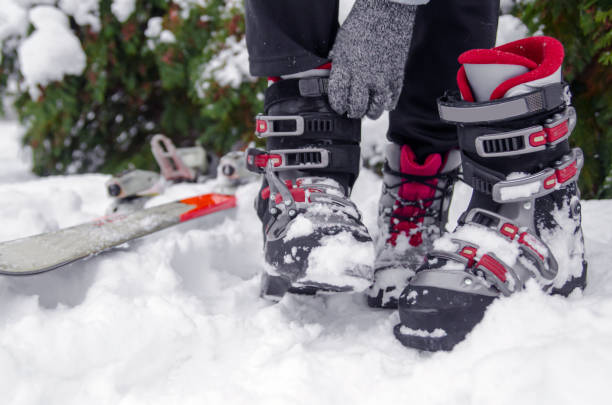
(550, 181)
(265, 193)
(262, 160)
(523, 240)
(261, 126)
(469, 253)
(509, 230)
(298, 194)
(556, 132)
(537, 138)
(493, 266)
(567, 172)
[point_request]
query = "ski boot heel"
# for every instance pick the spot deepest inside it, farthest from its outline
(523, 222)
(273, 288)
(313, 235)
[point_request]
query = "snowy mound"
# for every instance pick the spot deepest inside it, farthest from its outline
(176, 318)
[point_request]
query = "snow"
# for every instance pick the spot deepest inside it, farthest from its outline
(437, 333)
(229, 66)
(13, 20)
(330, 262)
(154, 27)
(85, 12)
(521, 190)
(301, 226)
(510, 29)
(167, 37)
(14, 161)
(122, 9)
(46, 16)
(176, 318)
(51, 51)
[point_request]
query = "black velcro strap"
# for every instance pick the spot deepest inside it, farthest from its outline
(291, 88)
(495, 143)
(316, 126)
(454, 110)
(313, 86)
(479, 177)
(327, 158)
(341, 159)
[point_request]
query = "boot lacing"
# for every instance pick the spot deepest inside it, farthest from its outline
(425, 206)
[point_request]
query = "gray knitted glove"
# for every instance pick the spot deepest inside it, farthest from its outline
(369, 57)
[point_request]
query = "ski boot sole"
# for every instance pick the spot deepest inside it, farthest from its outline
(573, 284)
(274, 288)
(438, 319)
(389, 281)
(428, 324)
(379, 300)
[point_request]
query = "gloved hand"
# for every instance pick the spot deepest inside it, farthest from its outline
(369, 57)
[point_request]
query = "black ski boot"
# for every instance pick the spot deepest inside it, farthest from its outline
(412, 213)
(314, 239)
(514, 119)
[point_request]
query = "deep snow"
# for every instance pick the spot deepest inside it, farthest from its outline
(176, 318)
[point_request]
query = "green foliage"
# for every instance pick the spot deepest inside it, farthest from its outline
(134, 87)
(585, 29)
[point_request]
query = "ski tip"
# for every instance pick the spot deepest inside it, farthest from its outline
(207, 204)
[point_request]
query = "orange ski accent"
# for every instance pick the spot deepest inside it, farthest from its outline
(207, 204)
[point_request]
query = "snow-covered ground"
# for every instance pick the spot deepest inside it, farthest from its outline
(176, 319)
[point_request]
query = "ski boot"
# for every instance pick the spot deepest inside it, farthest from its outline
(314, 239)
(523, 222)
(413, 210)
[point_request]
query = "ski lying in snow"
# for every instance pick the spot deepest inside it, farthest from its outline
(48, 251)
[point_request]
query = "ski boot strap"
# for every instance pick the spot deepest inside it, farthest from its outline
(491, 142)
(524, 188)
(293, 197)
(535, 259)
(319, 140)
(547, 98)
(330, 158)
(327, 126)
(315, 126)
(536, 125)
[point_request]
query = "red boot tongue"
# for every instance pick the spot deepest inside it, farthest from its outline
(413, 190)
(409, 165)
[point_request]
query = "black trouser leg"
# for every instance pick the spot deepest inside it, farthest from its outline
(443, 30)
(289, 36)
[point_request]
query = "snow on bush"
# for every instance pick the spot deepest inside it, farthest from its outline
(69, 82)
(154, 27)
(85, 12)
(13, 20)
(122, 9)
(229, 67)
(510, 29)
(51, 51)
